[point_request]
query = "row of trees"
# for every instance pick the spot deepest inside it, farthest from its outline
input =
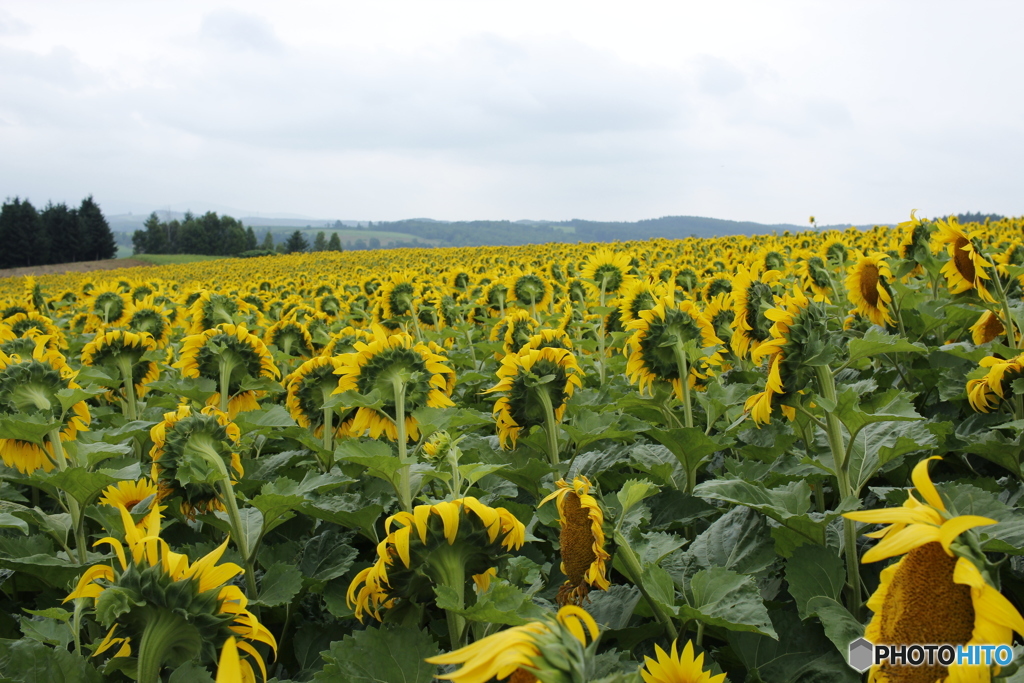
(207, 234)
(57, 234)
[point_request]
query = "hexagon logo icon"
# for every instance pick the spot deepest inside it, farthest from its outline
(861, 655)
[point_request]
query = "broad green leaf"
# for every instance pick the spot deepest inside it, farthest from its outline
(96, 452)
(738, 540)
(118, 435)
(33, 428)
(875, 342)
(190, 672)
(634, 491)
(279, 585)
(375, 456)
(9, 521)
(474, 472)
(69, 397)
(29, 661)
(502, 603)
(1007, 535)
(589, 427)
(380, 655)
(276, 509)
(312, 482)
(799, 654)
(265, 419)
(348, 510)
(840, 626)
(690, 445)
(80, 483)
(194, 388)
(813, 571)
(251, 520)
(721, 597)
(878, 444)
(327, 555)
(613, 608)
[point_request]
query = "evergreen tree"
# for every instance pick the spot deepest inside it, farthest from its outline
(234, 240)
(297, 242)
(268, 240)
(156, 240)
(101, 244)
(22, 236)
(320, 243)
(192, 237)
(250, 239)
(61, 227)
(334, 244)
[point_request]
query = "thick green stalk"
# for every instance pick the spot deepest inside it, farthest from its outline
(684, 380)
(124, 363)
(238, 533)
(328, 429)
(634, 574)
(1008, 327)
(449, 569)
(600, 335)
(76, 512)
(834, 431)
(226, 368)
(550, 424)
(165, 632)
(405, 473)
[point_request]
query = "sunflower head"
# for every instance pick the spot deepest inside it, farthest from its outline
(752, 298)
(513, 331)
(868, 287)
(107, 306)
(607, 270)
(584, 558)
(967, 268)
(641, 295)
(678, 667)
(985, 393)
(522, 376)
(291, 337)
(150, 317)
(186, 449)
(309, 387)
(530, 290)
(122, 352)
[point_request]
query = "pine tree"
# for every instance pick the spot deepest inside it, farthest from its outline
(22, 236)
(268, 241)
(250, 239)
(61, 227)
(101, 244)
(334, 244)
(297, 242)
(320, 243)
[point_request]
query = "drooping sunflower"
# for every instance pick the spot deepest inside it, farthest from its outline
(986, 328)
(814, 275)
(582, 539)
(309, 387)
(345, 340)
(660, 335)
(531, 291)
(608, 271)
(553, 339)
(210, 309)
(529, 401)
(181, 433)
(397, 296)
(555, 649)
(940, 592)
(228, 354)
(441, 544)
(751, 298)
(917, 236)
(677, 667)
(966, 269)
(513, 331)
(868, 287)
(494, 298)
(400, 370)
(985, 393)
(721, 312)
(29, 386)
(170, 611)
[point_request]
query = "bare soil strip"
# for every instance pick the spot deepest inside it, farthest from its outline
(78, 267)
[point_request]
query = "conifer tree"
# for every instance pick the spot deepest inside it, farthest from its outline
(22, 236)
(96, 231)
(268, 241)
(320, 243)
(334, 244)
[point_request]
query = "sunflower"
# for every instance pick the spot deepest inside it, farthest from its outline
(537, 384)
(309, 387)
(751, 298)
(128, 494)
(677, 667)
(721, 312)
(513, 331)
(107, 306)
(345, 340)
(984, 393)
(640, 295)
(530, 291)
(555, 649)
(940, 591)
(444, 543)
(406, 374)
(835, 251)
(210, 309)
(494, 298)
(582, 539)
(815, 276)
(397, 296)
(966, 268)
(917, 235)
(29, 387)
(228, 354)
(291, 337)
(607, 271)
(658, 338)
(171, 610)
(549, 339)
(22, 324)
(123, 352)
(151, 317)
(175, 441)
(986, 328)
(868, 287)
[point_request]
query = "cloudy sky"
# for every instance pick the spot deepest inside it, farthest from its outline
(763, 111)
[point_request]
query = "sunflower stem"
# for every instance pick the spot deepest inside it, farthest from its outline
(237, 532)
(328, 430)
(684, 381)
(600, 335)
(72, 504)
(699, 640)
(405, 473)
(634, 574)
(550, 424)
(1011, 335)
(226, 368)
(124, 363)
(166, 635)
(834, 431)
(449, 567)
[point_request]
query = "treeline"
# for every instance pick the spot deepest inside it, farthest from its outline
(207, 234)
(57, 234)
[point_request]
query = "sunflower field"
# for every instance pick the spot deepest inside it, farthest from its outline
(661, 461)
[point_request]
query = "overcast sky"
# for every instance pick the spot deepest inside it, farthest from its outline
(387, 109)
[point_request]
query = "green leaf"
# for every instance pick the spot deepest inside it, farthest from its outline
(738, 540)
(279, 585)
(634, 491)
(69, 397)
(276, 509)
(880, 443)
(29, 661)
(9, 521)
(349, 510)
(274, 417)
(80, 483)
(690, 445)
(190, 672)
(814, 571)
(118, 435)
(613, 608)
(327, 556)
(721, 597)
(840, 626)
(115, 601)
(96, 452)
(588, 427)
(197, 389)
(32, 428)
(375, 456)
(380, 655)
(1006, 536)
(800, 654)
(875, 342)
(502, 603)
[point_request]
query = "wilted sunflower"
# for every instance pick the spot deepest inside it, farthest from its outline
(940, 591)
(966, 268)
(170, 610)
(984, 393)
(867, 285)
(228, 354)
(123, 353)
(309, 387)
(582, 539)
(677, 667)
(513, 331)
(433, 545)
(29, 388)
(751, 298)
(555, 649)
(656, 350)
(175, 441)
(608, 271)
(537, 384)
(405, 373)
